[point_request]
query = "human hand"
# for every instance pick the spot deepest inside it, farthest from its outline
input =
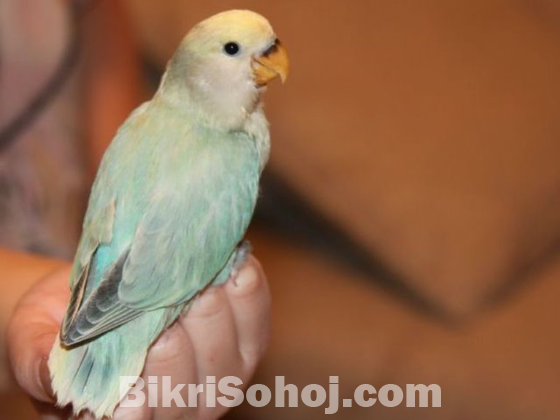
(224, 334)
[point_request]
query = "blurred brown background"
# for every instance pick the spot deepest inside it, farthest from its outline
(410, 229)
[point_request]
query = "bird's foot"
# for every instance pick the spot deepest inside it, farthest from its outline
(241, 256)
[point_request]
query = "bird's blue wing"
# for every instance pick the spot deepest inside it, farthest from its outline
(185, 237)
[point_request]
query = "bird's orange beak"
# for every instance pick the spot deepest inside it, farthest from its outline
(271, 64)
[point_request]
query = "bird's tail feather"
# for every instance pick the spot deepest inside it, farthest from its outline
(88, 375)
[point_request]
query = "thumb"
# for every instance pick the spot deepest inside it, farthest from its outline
(32, 331)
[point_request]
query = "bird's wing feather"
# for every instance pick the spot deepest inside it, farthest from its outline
(97, 231)
(182, 241)
(101, 311)
(193, 245)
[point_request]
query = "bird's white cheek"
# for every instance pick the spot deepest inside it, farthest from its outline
(203, 84)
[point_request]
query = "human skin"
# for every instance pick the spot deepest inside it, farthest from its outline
(224, 334)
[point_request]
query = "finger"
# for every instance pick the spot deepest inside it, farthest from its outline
(249, 298)
(211, 328)
(172, 356)
(32, 331)
(144, 412)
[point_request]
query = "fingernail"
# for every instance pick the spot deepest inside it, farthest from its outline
(196, 301)
(248, 279)
(45, 379)
(208, 303)
(164, 337)
(247, 275)
(205, 298)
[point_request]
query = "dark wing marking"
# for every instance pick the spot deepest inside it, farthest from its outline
(76, 298)
(101, 311)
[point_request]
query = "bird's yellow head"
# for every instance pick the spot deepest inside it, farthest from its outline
(241, 37)
(224, 64)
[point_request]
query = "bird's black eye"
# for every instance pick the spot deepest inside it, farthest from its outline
(232, 48)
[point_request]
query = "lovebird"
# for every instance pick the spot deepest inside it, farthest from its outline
(169, 207)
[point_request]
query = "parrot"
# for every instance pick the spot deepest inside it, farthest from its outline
(169, 207)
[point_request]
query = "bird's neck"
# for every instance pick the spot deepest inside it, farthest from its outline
(222, 108)
(245, 116)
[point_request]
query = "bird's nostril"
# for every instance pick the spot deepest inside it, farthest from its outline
(273, 48)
